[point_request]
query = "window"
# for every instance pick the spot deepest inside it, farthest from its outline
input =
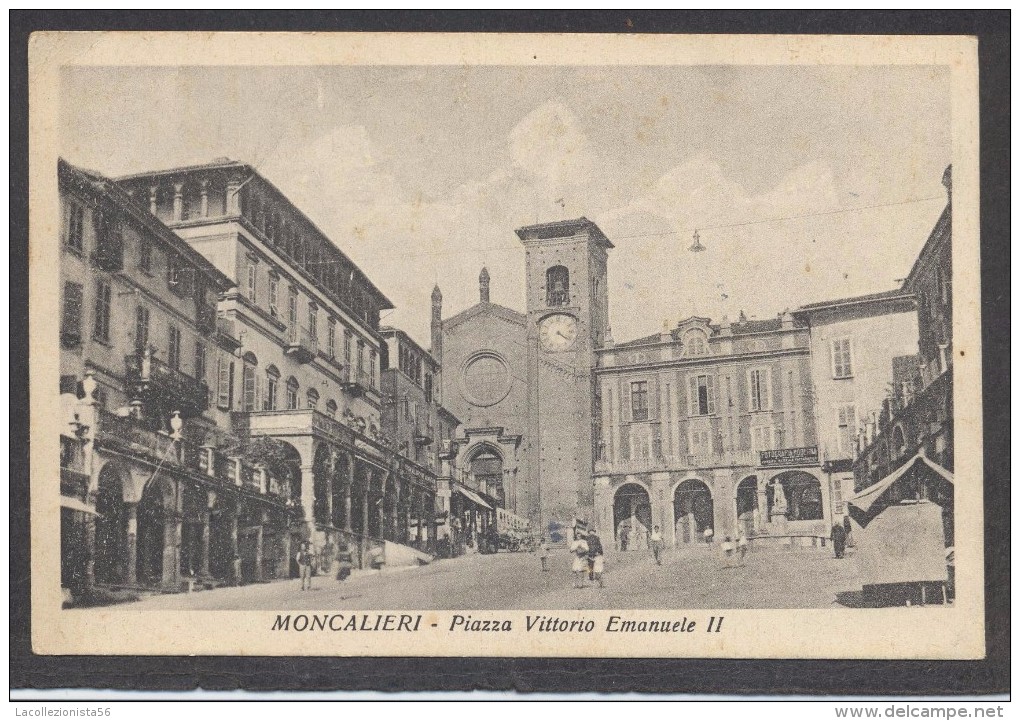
(76, 227)
(702, 395)
(428, 387)
(331, 338)
(557, 286)
(639, 400)
(759, 389)
(272, 385)
(141, 328)
(145, 255)
(761, 439)
(371, 365)
(274, 292)
(101, 321)
(331, 408)
(252, 276)
(292, 394)
(700, 442)
(173, 356)
(347, 349)
(292, 313)
(248, 383)
(842, 358)
(313, 322)
(846, 430)
(313, 399)
(640, 447)
(70, 325)
(695, 343)
(225, 382)
(173, 270)
(361, 357)
(200, 361)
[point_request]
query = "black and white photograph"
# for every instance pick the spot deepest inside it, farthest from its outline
(369, 351)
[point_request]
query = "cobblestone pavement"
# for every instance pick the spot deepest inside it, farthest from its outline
(687, 578)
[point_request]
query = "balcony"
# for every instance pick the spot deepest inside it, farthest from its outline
(128, 435)
(677, 463)
(226, 332)
(356, 383)
(447, 450)
(283, 424)
(154, 381)
(423, 435)
(302, 346)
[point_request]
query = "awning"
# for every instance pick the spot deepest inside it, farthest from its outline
(869, 501)
(74, 504)
(473, 497)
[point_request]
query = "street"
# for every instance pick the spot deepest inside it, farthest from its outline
(688, 578)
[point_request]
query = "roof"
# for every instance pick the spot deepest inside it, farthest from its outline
(563, 229)
(874, 499)
(746, 327)
(479, 308)
(886, 295)
(238, 166)
(943, 230)
(404, 337)
(647, 340)
(100, 184)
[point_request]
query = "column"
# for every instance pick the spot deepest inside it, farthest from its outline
(259, 535)
(430, 521)
(178, 201)
(204, 565)
(405, 536)
(763, 504)
(172, 549)
(132, 542)
(153, 190)
(308, 497)
(347, 494)
(205, 198)
(235, 559)
(233, 200)
(364, 515)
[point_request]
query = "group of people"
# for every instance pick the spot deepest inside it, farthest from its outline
(841, 537)
(310, 563)
(589, 558)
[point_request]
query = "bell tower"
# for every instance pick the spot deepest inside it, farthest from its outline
(567, 320)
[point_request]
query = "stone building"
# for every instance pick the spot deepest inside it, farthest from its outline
(423, 436)
(305, 369)
(854, 345)
(154, 492)
(522, 383)
(709, 427)
(917, 414)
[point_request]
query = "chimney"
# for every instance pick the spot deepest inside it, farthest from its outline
(947, 180)
(483, 286)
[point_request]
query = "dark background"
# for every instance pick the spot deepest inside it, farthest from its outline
(558, 675)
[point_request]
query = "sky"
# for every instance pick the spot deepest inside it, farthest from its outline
(421, 174)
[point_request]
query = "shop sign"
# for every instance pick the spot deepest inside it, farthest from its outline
(789, 457)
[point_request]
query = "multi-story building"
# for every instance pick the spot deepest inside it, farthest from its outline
(305, 318)
(917, 414)
(422, 432)
(854, 345)
(709, 427)
(154, 492)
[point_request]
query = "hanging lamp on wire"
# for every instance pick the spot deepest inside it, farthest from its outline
(696, 246)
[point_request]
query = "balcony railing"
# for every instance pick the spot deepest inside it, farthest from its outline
(301, 345)
(153, 380)
(356, 382)
(678, 462)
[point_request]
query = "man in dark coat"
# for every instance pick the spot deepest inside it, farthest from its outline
(838, 538)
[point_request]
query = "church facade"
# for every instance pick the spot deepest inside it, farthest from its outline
(522, 383)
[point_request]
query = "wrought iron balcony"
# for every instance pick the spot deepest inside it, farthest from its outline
(152, 380)
(301, 345)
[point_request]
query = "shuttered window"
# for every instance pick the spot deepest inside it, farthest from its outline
(141, 328)
(842, 358)
(70, 325)
(759, 389)
(101, 321)
(701, 398)
(224, 383)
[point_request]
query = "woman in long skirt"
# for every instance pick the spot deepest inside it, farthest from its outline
(579, 547)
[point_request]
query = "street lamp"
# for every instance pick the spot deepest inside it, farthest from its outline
(696, 246)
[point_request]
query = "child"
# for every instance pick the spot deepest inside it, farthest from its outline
(543, 553)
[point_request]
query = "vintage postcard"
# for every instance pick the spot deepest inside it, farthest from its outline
(505, 345)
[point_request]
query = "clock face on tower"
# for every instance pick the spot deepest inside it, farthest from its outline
(557, 332)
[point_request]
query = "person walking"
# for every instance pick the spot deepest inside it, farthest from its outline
(596, 558)
(838, 537)
(306, 560)
(849, 532)
(657, 545)
(742, 547)
(727, 552)
(543, 553)
(579, 547)
(345, 561)
(708, 535)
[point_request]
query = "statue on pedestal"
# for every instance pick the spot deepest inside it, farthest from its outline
(778, 499)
